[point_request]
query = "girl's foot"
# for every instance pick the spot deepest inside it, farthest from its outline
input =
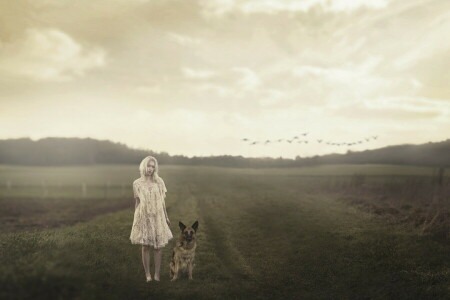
(156, 278)
(149, 278)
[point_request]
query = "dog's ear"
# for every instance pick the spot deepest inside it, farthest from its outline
(182, 226)
(195, 226)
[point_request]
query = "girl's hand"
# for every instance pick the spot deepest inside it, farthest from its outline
(168, 222)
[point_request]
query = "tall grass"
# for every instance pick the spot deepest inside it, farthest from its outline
(422, 201)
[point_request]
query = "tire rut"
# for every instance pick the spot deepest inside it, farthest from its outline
(230, 256)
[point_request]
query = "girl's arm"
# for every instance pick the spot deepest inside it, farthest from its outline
(136, 195)
(163, 194)
(165, 212)
(137, 202)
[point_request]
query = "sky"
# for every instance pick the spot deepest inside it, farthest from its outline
(195, 78)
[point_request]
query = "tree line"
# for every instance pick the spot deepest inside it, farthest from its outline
(87, 151)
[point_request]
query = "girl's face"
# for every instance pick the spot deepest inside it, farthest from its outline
(150, 167)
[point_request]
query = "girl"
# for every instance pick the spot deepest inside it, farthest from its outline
(151, 223)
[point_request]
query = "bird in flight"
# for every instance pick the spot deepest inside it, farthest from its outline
(245, 139)
(320, 141)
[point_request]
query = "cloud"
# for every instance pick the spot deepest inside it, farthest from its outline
(395, 109)
(184, 40)
(272, 97)
(197, 74)
(428, 43)
(220, 7)
(413, 105)
(48, 54)
(148, 90)
(344, 84)
(249, 80)
(215, 89)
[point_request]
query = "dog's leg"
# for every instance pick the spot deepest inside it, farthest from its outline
(175, 271)
(172, 265)
(190, 267)
(172, 268)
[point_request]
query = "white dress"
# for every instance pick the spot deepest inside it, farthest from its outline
(149, 224)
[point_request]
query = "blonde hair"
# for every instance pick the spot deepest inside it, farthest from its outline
(143, 167)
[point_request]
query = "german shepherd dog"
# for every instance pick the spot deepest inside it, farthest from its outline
(184, 252)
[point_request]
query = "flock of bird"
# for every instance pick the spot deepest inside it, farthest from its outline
(296, 139)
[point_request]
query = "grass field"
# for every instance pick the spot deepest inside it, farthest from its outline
(267, 233)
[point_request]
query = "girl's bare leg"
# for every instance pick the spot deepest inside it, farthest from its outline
(146, 261)
(157, 254)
